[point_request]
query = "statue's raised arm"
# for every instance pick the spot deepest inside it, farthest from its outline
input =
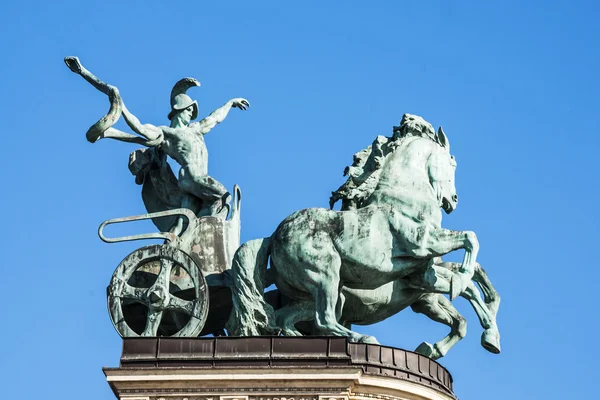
(150, 135)
(181, 140)
(216, 117)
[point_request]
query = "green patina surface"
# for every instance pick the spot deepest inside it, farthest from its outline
(182, 140)
(380, 254)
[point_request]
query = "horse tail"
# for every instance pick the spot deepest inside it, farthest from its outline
(251, 314)
(490, 295)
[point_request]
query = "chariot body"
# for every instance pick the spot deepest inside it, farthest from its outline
(179, 288)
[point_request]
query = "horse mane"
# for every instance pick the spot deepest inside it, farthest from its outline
(363, 174)
(413, 125)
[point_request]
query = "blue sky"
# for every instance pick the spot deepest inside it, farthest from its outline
(514, 84)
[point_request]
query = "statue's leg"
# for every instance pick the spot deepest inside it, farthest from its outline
(440, 309)
(310, 264)
(298, 311)
(486, 311)
(444, 271)
(443, 241)
(490, 338)
(327, 300)
(490, 295)
(191, 203)
(212, 193)
(301, 311)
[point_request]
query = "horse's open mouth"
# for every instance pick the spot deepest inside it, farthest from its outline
(447, 206)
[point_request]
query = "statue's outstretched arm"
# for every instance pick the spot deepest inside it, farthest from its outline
(216, 117)
(75, 65)
(152, 134)
(116, 134)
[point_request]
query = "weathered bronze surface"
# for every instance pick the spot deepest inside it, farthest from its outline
(378, 255)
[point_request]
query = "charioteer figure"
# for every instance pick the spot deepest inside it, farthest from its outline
(182, 140)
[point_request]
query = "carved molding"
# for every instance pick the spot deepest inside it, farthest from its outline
(376, 396)
(298, 393)
(265, 397)
(288, 397)
(230, 397)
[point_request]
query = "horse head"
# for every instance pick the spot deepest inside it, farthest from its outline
(441, 167)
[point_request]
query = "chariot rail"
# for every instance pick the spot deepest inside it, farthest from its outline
(156, 235)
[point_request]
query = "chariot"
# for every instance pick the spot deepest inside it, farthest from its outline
(168, 289)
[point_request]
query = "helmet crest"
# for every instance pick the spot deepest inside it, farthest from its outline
(180, 100)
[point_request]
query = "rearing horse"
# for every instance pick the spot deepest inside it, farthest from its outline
(315, 252)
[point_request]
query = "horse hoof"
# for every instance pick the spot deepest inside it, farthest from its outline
(290, 332)
(490, 340)
(368, 339)
(428, 350)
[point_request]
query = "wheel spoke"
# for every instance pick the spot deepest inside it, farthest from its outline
(152, 323)
(162, 280)
(132, 292)
(176, 303)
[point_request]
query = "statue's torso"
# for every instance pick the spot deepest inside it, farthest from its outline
(187, 148)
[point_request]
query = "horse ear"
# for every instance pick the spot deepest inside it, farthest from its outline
(443, 139)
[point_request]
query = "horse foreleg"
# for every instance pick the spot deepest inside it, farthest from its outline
(490, 338)
(440, 309)
(442, 241)
(490, 295)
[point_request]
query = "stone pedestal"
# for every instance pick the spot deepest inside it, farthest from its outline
(273, 368)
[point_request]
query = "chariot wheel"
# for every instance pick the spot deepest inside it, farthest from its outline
(158, 291)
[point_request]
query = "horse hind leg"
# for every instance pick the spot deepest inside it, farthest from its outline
(312, 266)
(288, 316)
(440, 309)
(301, 311)
(328, 302)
